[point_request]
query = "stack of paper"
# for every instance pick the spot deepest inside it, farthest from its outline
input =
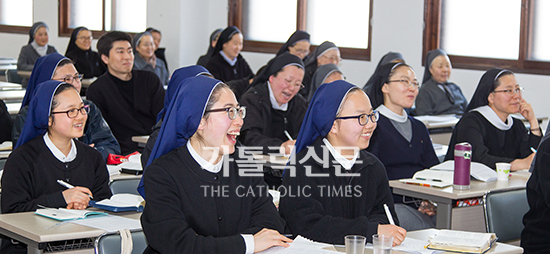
(462, 241)
(477, 170)
(302, 246)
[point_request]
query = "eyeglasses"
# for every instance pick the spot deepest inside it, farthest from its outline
(232, 112)
(298, 85)
(72, 113)
(511, 92)
(70, 79)
(407, 83)
(301, 51)
(363, 119)
(333, 59)
(84, 38)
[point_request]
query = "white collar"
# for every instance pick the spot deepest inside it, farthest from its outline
(229, 61)
(206, 165)
(274, 103)
(347, 164)
(493, 118)
(57, 153)
(41, 50)
(392, 115)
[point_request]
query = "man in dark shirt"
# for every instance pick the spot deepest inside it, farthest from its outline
(129, 100)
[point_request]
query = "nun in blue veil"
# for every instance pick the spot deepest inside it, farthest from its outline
(54, 66)
(177, 79)
(46, 152)
(194, 156)
(335, 183)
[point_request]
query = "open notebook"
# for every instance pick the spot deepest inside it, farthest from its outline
(122, 202)
(63, 214)
(461, 241)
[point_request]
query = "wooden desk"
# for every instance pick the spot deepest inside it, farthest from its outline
(445, 197)
(36, 231)
(24, 74)
(8, 60)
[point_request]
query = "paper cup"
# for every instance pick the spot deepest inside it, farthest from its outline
(503, 171)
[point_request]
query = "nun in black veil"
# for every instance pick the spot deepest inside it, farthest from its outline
(203, 60)
(87, 62)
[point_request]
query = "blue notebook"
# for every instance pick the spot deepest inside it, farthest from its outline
(122, 202)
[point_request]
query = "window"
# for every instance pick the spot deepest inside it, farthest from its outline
(511, 34)
(15, 16)
(266, 25)
(102, 15)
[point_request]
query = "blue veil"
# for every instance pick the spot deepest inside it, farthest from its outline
(182, 117)
(176, 80)
(321, 112)
(43, 70)
(39, 112)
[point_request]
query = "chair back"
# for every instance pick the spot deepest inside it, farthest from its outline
(13, 77)
(124, 186)
(504, 212)
(110, 243)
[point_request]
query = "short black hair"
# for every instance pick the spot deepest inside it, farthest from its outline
(105, 42)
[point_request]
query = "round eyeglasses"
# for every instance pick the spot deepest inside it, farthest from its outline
(232, 112)
(363, 119)
(72, 113)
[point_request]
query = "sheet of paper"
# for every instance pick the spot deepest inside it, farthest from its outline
(302, 246)
(478, 170)
(110, 223)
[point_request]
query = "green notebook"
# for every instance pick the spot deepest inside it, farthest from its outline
(63, 214)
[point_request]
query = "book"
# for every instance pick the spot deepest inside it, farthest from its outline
(62, 214)
(479, 171)
(122, 202)
(431, 178)
(462, 241)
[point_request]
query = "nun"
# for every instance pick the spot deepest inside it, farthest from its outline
(325, 74)
(401, 142)
(438, 96)
(325, 53)
(177, 77)
(193, 157)
(274, 105)
(488, 126)
(47, 152)
(390, 57)
(203, 60)
(342, 188)
(297, 44)
(145, 58)
(37, 46)
(87, 62)
(159, 52)
(54, 66)
(226, 62)
(534, 237)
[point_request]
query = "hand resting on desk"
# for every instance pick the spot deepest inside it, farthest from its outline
(268, 238)
(77, 197)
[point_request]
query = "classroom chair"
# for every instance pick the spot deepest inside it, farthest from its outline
(504, 212)
(13, 77)
(109, 243)
(124, 186)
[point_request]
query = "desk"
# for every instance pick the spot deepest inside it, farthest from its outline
(7, 86)
(24, 74)
(445, 196)
(12, 95)
(36, 231)
(13, 107)
(141, 140)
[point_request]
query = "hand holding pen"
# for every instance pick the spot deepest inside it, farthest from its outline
(397, 232)
(76, 197)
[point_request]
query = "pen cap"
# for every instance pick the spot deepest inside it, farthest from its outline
(463, 159)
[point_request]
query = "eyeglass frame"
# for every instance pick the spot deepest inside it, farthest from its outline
(70, 79)
(407, 83)
(86, 109)
(332, 58)
(85, 38)
(240, 111)
(511, 92)
(375, 113)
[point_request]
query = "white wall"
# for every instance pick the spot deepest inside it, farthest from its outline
(186, 26)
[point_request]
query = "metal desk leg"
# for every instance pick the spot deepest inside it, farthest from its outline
(444, 213)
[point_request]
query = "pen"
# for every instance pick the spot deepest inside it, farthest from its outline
(533, 149)
(388, 214)
(69, 186)
(288, 135)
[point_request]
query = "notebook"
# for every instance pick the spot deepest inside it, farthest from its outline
(122, 202)
(462, 241)
(62, 214)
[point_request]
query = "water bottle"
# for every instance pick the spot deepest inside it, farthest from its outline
(463, 155)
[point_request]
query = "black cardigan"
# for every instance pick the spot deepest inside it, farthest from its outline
(221, 69)
(191, 210)
(313, 212)
(128, 119)
(257, 127)
(489, 144)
